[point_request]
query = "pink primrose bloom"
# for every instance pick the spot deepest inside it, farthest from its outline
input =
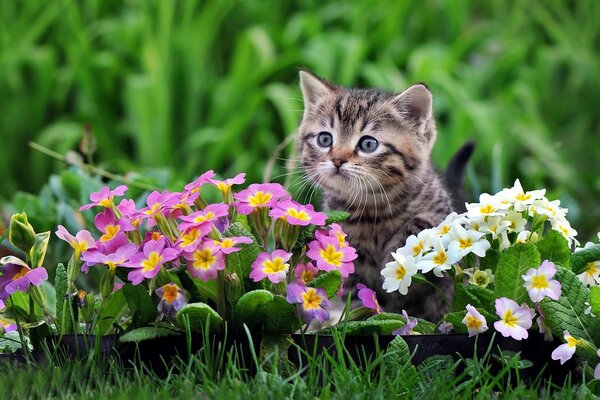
(191, 238)
(539, 282)
(171, 299)
(305, 273)
(107, 223)
(204, 219)
(225, 185)
(109, 256)
(313, 302)
(565, 351)
(368, 298)
(17, 276)
(228, 244)
(202, 180)
(409, 324)
(273, 266)
(297, 214)
(514, 320)
(157, 203)
(259, 195)
(329, 255)
(474, 321)
(205, 261)
(6, 326)
(335, 232)
(105, 197)
(147, 263)
(81, 242)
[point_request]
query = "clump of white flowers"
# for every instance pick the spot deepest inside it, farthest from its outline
(508, 217)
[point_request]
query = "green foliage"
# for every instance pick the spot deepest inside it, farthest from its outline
(554, 247)
(38, 251)
(595, 299)
(514, 262)
(248, 307)
(147, 333)
(368, 327)
(477, 296)
(61, 283)
(242, 260)
(330, 281)
(110, 312)
(279, 317)
(200, 316)
(397, 359)
(581, 258)
(141, 305)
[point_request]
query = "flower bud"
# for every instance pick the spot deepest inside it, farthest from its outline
(233, 287)
(107, 283)
(87, 310)
(38, 294)
(21, 233)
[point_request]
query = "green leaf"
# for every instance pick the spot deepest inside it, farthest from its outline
(11, 342)
(490, 261)
(248, 253)
(192, 287)
(581, 258)
(455, 318)
(513, 263)
(397, 359)
(463, 296)
(387, 316)
(62, 312)
(554, 247)
(141, 305)
(278, 316)
(368, 327)
(335, 216)
(110, 312)
(330, 281)
(595, 300)
(147, 333)
(567, 313)
(200, 314)
(432, 366)
(38, 251)
(425, 327)
(248, 306)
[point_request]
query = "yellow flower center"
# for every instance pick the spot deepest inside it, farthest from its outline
(440, 258)
(564, 231)
(465, 243)
(481, 278)
(226, 243)
(523, 197)
(473, 322)
(152, 261)
(22, 272)
(571, 341)
(106, 203)
(170, 293)
(444, 229)
(188, 238)
(341, 239)
(332, 256)
(209, 216)
(155, 235)
(311, 299)
(111, 232)
(203, 259)
(307, 276)
(509, 319)
(223, 187)
(591, 269)
(112, 265)
(487, 209)
(298, 214)
(416, 249)
(259, 199)
(274, 266)
(400, 272)
(152, 209)
(79, 247)
(539, 282)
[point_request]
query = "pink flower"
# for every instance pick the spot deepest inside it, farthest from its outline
(539, 282)
(205, 261)
(313, 302)
(6, 326)
(228, 244)
(474, 321)
(82, 241)
(110, 256)
(329, 255)
(297, 214)
(110, 226)
(129, 212)
(565, 351)
(368, 298)
(204, 219)
(335, 232)
(17, 276)
(157, 203)
(105, 197)
(273, 266)
(409, 324)
(147, 263)
(182, 202)
(191, 238)
(259, 195)
(305, 273)
(171, 299)
(202, 180)
(225, 186)
(514, 320)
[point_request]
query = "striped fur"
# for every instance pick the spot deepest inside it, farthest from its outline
(390, 193)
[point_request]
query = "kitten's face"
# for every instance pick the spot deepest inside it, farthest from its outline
(364, 139)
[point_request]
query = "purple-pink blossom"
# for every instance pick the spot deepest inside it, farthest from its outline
(565, 351)
(259, 195)
(81, 242)
(313, 302)
(192, 237)
(17, 276)
(273, 266)
(147, 263)
(368, 298)
(110, 226)
(205, 261)
(514, 320)
(474, 321)
(335, 231)
(329, 256)
(297, 214)
(171, 299)
(204, 219)
(305, 273)
(6, 326)
(228, 245)
(111, 256)
(105, 197)
(202, 180)
(539, 282)
(409, 325)
(225, 185)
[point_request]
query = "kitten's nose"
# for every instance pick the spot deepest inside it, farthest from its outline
(338, 162)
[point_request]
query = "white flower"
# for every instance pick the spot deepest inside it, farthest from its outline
(479, 277)
(526, 236)
(488, 206)
(550, 209)
(467, 241)
(474, 321)
(591, 275)
(494, 225)
(520, 199)
(416, 246)
(563, 226)
(439, 259)
(443, 229)
(398, 273)
(588, 310)
(516, 221)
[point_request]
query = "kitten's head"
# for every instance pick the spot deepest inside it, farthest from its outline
(364, 137)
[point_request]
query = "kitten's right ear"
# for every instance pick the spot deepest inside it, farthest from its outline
(313, 88)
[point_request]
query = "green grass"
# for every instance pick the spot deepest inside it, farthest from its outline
(190, 85)
(221, 375)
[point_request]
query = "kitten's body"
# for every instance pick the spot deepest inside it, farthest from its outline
(392, 191)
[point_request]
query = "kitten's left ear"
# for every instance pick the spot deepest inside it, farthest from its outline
(313, 88)
(415, 104)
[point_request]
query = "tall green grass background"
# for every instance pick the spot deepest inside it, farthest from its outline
(184, 86)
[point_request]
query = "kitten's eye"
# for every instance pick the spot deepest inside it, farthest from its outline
(325, 139)
(368, 144)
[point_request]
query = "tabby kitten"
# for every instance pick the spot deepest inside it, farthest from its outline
(369, 152)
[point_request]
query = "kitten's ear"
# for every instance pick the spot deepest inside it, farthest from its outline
(313, 88)
(415, 104)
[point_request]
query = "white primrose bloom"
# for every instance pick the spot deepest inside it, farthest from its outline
(591, 275)
(439, 259)
(398, 274)
(550, 209)
(488, 206)
(516, 221)
(418, 245)
(494, 225)
(443, 229)
(563, 226)
(518, 198)
(467, 241)
(504, 241)
(527, 236)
